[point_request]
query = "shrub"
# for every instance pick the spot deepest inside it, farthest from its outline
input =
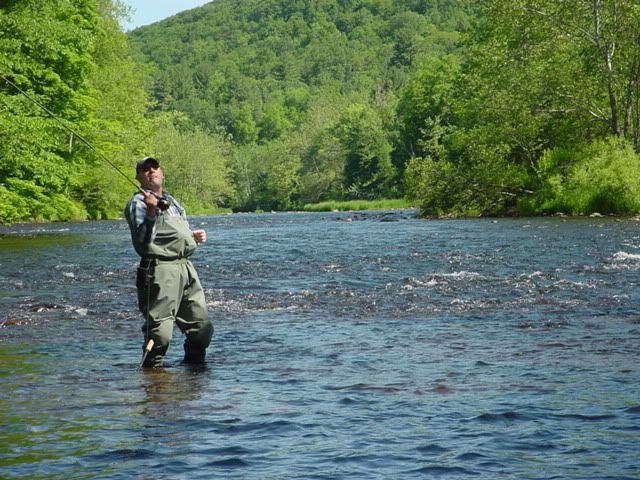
(22, 200)
(601, 177)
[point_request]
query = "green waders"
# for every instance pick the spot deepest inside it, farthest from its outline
(169, 291)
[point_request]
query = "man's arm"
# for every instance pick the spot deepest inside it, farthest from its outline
(142, 225)
(199, 235)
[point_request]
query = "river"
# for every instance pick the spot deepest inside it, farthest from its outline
(347, 346)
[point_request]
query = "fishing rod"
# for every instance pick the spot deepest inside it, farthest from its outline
(146, 351)
(162, 203)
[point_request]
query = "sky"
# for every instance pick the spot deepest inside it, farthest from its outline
(150, 11)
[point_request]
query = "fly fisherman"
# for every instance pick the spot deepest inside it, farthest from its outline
(169, 289)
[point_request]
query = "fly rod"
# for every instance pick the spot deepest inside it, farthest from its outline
(146, 351)
(34, 100)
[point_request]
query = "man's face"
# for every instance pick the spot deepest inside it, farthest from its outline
(150, 177)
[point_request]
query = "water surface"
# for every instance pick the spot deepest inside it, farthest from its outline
(347, 346)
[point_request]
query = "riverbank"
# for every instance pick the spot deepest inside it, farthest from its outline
(355, 205)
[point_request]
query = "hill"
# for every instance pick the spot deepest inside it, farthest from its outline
(254, 67)
(304, 90)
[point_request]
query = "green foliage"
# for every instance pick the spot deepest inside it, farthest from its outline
(543, 73)
(601, 176)
(23, 200)
(470, 108)
(45, 49)
(424, 110)
(281, 76)
(322, 171)
(357, 205)
(505, 131)
(487, 185)
(368, 170)
(71, 57)
(267, 177)
(195, 167)
(119, 128)
(237, 57)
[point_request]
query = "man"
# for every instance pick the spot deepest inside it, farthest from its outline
(169, 290)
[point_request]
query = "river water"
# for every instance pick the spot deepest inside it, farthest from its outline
(347, 346)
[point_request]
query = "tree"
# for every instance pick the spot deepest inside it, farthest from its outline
(119, 127)
(582, 58)
(368, 170)
(424, 110)
(600, 176)
(539, 77)
(45, 50)
(266, 176)
(195, 165)
(262, 70)
(72, 58)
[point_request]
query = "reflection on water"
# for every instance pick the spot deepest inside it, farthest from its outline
(347, 346)
(167, 390)
(10, 243)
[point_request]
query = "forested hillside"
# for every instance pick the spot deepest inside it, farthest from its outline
(306, 91)
(466, 108)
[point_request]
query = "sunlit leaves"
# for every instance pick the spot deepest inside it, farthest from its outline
(368, 169)
(71, 57)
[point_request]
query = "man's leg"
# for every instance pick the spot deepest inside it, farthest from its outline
(158, 304)
(192, 318)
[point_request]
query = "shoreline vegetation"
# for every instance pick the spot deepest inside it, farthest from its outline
(367, 206)
(255, 106)
(357, 205)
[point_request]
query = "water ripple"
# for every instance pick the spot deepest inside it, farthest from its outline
(347, 346)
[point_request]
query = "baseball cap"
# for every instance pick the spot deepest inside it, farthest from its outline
(146, 162)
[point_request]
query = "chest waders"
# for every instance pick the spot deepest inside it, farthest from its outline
(170, 293)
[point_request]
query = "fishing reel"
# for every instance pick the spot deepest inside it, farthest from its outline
(163, 203)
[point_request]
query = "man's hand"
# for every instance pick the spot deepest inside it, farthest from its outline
(151, 201)
(200, 236)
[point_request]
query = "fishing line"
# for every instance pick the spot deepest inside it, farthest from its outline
(73, 131)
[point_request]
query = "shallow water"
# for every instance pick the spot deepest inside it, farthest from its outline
(347, 346)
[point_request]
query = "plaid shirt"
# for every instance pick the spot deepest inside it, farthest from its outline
(143, 228)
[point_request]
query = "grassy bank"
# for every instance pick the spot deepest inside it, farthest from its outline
(208, 211)
(350, 205)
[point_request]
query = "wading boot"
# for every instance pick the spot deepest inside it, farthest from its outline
(154, 358)
(194, 355)
(153, 361)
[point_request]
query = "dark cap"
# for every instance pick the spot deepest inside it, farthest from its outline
(146, 162)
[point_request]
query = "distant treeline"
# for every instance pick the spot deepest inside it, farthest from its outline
(461, 107)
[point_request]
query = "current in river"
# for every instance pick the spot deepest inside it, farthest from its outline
(350, 345)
